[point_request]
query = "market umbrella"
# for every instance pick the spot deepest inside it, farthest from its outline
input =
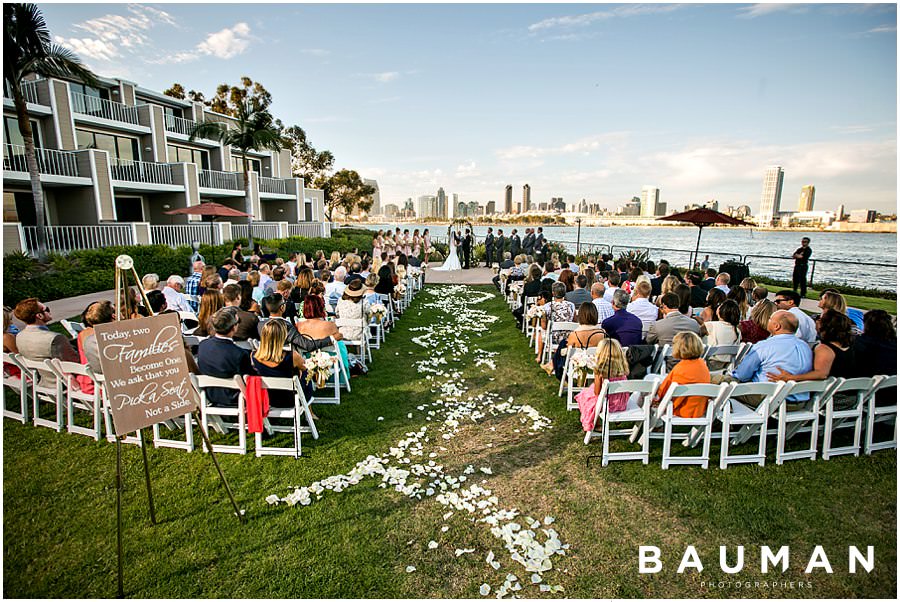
(702, 218)
(211, 209)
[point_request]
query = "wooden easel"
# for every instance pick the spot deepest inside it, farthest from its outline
(124, 269)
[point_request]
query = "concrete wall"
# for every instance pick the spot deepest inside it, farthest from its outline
(62, 112)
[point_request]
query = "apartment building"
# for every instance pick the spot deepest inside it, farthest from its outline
(119, 155)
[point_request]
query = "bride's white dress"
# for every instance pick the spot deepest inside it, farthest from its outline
(452, 263)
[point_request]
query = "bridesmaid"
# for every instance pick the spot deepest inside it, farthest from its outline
(376, 244)
(407, 243)
(389, 244)
(417, 243)
(426, 239)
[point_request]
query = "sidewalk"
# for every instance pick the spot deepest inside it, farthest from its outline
(63, 309)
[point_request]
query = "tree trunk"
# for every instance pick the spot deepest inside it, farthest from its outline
(34, 174)
(248, 204)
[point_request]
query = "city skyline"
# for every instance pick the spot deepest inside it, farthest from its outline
(453, 114)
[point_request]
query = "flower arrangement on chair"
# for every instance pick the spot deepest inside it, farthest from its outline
(319, 367)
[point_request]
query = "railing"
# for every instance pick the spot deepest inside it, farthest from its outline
(223, 180)
(65, 239)
(308, 230)
(30, 92)
(52, 162)
(179, 125)
(263, 230)
(141, 171)
(100, 107)
(272, 185)
(185, 234)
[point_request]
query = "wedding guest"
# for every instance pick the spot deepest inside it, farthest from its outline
(833, 356)
(759, 293)
(739, 296)
(370, 295)
(790, 301)
(175, 300)
(579, 295)
(532, 288)
(219, 357)
(247, 302)
(714, 298)
(722, 281)
(192, 284)
(37, 342)
(352, 307)
(876, 348)
(98, 312)
(247, 321)
(611, 365)
(558, 310)
(623, 326)
(150, 282)
(9, 338)
(612, 285)
(753, 330)
(210, 303)
(275, 307)
(687, 348)
(673, 322)
(604, 307)
(385, 284)
(640, 305)
(272, 360)
(334, 289)
(587, 334)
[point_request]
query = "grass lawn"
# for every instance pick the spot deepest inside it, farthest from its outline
(864, 303)
(59, 502)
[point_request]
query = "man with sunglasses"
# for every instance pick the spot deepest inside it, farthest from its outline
(788, 300)
(36, 341)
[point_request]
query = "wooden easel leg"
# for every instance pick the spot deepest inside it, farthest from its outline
(147, 477)
(237, 511)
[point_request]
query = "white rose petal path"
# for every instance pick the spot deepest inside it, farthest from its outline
(404, 468)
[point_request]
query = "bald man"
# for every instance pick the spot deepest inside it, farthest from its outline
(781, 350)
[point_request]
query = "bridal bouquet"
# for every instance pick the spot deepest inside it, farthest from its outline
(378, 311)
(582, 366)
(319, 367)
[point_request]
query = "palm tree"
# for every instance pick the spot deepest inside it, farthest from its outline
(27, 50)
(253, 129)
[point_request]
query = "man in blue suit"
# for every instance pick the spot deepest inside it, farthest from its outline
(218, 356)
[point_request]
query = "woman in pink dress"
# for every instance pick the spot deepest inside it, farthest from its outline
(376, 245)
(390, 246)
(407, 243)
(426, 240)
(417, 243)
(611, 365)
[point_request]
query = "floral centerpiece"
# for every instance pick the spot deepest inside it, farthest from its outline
(319, 367)
(582, 365)
(377, 311)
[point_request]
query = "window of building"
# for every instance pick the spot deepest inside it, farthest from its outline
(129, 209)
(252, 164)
(11, 131)
(182, 154)
(89, 90)
(119, 147)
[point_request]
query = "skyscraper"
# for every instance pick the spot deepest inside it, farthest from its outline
(770, 204)
(427, 205)
(454, 207)
(490, 208)
(441, 209)
(807, 198)
(507, 203)
(526, 197)
(649, 201)
(376, 198)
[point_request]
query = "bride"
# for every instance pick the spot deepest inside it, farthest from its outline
(452, 263)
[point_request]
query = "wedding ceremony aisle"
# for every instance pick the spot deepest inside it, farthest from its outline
(451, 470)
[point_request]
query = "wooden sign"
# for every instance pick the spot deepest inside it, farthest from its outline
(146, 371)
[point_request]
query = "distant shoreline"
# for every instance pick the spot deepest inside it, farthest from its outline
(847, 227)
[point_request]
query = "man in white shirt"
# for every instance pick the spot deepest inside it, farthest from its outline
(789, 300)
(640, 305)
(175, 299)
(612, 285)
(234, 277)
(722, 281)
(604, 307)
(334, 290)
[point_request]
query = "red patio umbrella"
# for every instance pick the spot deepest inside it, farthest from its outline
(209, 208)
(701, 218)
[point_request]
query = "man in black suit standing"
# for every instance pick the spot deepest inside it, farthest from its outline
(801, 265)
(539, 245)
(489, 248)
(499, 246)
(528, 242)
(467, 249)
(218, 356)
(515, 243)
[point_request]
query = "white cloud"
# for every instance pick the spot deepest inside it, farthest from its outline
(467, 170)
(583, 145)
(761, 10)
(883, 29)
(315, 51)
(385, 77)
(585, 19)
(226, 43)
(88, 48)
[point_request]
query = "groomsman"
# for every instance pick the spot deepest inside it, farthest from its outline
(489, 248)
(539, 244)
(515, 243)
(500, 245)
(467, 249)
(528, 241)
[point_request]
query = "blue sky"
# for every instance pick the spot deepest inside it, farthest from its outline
(579, 100)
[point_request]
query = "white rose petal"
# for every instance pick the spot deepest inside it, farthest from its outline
(485, 589)
(432, 544)
(410, 569)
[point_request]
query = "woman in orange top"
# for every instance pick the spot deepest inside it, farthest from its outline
(687, 347)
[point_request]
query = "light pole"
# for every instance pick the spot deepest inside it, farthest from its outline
(578, 242)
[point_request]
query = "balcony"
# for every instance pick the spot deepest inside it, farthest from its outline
(50, 162)
(179, 125)
(105, 109)
(141, 171)
(223, 180)
(272, 185)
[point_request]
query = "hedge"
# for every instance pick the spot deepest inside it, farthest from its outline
(93, 270)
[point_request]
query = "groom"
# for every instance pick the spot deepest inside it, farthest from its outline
(467, 249)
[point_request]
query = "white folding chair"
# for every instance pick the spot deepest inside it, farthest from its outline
(333, 383)
(660, 361)
(294, 414)
(881, 412)
(637, 411)
(73, 328)
(527, 327)
(553, 328)
(794, 416)
(388, 322)
(45, 388)
(78, 399)
(736, 413)
(214, 416)
(16, 383)
(568, 384)
(362, 342)
(715, 394)
(725, 354)
(852, 391)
